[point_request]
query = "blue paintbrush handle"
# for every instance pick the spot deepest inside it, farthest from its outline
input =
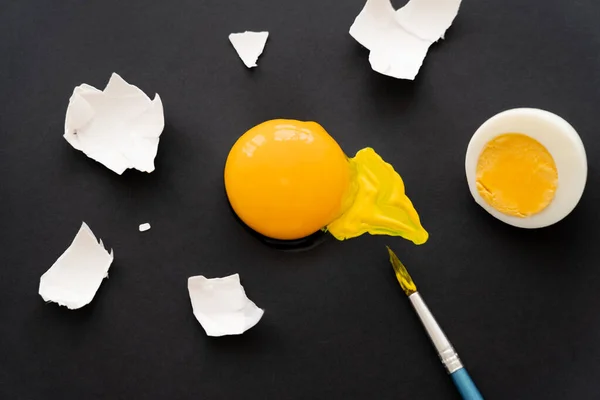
(447, 354)
(465, 385)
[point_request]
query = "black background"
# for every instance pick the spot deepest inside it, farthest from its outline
(521, 307)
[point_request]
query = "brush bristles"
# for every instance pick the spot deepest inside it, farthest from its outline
(402, 275)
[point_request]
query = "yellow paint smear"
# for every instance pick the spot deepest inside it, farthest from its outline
(380, 205)
(516, 175)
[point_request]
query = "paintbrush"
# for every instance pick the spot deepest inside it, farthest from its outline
(447, 354)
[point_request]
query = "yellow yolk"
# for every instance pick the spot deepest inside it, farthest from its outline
(516, 175)
(380, 206)
(288, 179)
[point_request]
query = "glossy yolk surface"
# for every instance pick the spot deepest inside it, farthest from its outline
(516, 175)
(287, 179)
(380, 205)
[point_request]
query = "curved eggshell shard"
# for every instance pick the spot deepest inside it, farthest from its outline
(380, 205)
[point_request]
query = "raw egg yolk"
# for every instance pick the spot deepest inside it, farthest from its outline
(287, 179)
(516, 175)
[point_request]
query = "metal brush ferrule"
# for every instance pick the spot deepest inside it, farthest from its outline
(447, 354)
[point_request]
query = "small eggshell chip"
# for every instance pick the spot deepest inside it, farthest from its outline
(562, 143)
(249, 46)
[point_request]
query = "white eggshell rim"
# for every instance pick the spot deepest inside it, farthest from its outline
(559, 138)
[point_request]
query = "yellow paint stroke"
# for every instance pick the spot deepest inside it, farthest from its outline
(380, 205)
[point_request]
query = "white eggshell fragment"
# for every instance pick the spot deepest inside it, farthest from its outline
(249, 46)
(221, 305)
(75, 277)
(119, 127)
(562, 142)
(398, 40)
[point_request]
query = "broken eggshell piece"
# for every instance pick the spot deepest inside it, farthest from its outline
(249, 46)
(399, 40)
(221, 305)
(119, 127)
(74, 278)
(428, 19)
